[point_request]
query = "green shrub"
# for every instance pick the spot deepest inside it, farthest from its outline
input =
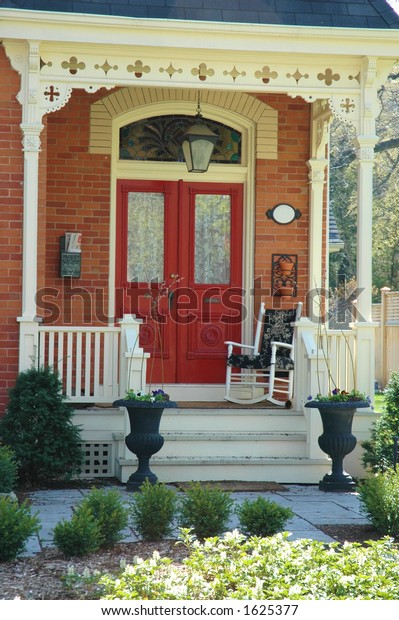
(380, 499)
(206, 510)
(8, 470)
(78, 536)
(378, 452)
(153, 511)
(17, 524)
(262, 517)
(109, 513)
(38, 428)
(266, 569)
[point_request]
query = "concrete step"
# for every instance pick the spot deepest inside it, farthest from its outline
(219, 444)
(257, 420)
(184, 469)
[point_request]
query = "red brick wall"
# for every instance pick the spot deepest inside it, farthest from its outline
(11, 177)
(77, 200)
(284, 180)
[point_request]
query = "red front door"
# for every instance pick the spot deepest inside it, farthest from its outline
(178, 267)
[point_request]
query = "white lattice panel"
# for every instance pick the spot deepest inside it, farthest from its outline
(99, 460)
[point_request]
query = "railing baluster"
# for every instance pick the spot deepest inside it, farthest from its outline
(69, 384)
(97, 359)
(87, 364)
(78, 364)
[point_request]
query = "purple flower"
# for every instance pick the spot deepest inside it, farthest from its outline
(158, 392)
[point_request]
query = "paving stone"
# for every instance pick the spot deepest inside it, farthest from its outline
(311, 506)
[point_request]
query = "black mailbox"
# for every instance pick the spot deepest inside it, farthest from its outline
(70, 262)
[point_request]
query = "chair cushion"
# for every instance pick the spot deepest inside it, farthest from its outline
(277, 327)
(245, 361)
(259, 362)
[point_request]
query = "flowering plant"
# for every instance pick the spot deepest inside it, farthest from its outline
(155, 396)
(340, 396)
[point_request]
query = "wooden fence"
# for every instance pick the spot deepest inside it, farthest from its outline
(386, 314)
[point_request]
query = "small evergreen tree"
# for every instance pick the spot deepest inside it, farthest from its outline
(38, 428)
(379, 449)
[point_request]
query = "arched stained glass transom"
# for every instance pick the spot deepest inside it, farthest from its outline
(159, 139)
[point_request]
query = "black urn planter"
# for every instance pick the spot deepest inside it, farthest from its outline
(337, 440)
(144, 439)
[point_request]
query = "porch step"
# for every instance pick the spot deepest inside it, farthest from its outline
(185, 469)
(234, 419)
(254, 444)
(217, 444)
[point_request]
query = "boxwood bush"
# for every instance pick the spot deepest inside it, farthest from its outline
(205, 509)
(379, 496)
(17, 524)
(153, 511)
(262, 517)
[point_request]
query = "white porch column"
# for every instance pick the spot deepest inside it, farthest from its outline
(31, 127)
(365, 162)
(317, 169)
(317, 165)
(133, 359)
(28, 345)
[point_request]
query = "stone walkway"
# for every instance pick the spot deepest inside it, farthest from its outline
(312, 508)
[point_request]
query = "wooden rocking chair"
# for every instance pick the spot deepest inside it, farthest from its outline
(251, 377)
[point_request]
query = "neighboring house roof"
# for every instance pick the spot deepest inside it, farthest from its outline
(329, 13)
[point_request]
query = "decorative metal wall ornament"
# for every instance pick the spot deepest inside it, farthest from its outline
(283, 214)
(284, 274)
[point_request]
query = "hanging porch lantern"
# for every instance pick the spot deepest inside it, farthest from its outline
(198, 144)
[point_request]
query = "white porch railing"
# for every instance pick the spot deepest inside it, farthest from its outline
(95, 364)
(346, 357)
(340, 350)
(87, 360)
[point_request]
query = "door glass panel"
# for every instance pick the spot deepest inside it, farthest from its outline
(145, 249)
(212, 239)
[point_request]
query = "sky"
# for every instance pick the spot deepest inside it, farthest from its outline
(394, 4)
